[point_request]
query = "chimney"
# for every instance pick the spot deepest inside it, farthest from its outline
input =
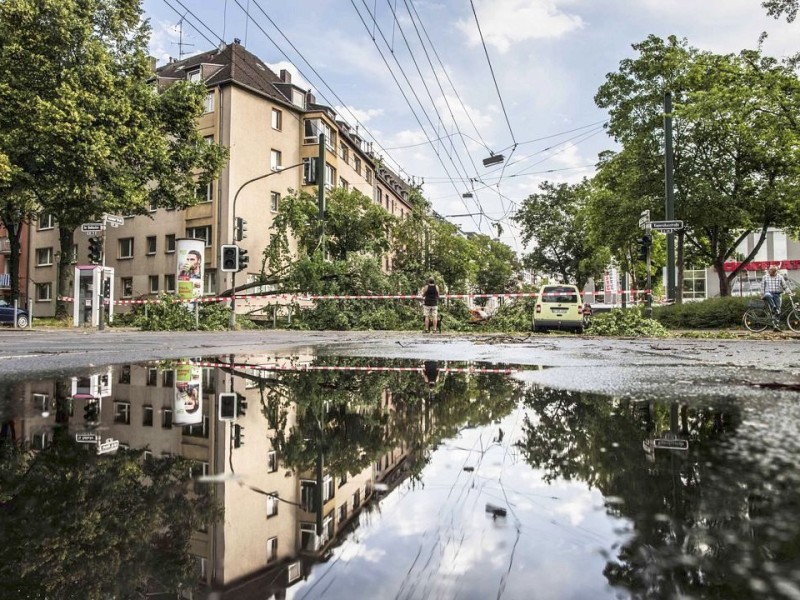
(310, 99)
(286, 77)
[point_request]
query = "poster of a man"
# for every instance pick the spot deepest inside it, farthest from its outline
(188, 400)
(189, 268)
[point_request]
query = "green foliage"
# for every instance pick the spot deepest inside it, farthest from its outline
(626, 322)
(105, 526)
(513, 316)
(169, 315)
(708, 314)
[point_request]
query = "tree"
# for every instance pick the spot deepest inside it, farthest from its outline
(81, 127)
(736, 141)
(554, 221)
(777, 8)
(497, 265)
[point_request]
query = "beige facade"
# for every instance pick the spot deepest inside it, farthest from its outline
(270, 128)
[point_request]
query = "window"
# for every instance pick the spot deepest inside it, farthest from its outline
(147, 416)
(127, 287)
(203, 192)
(272, 549)
(343, 479)
(344, 153)
(330, 175)
(166, 418)
(356, 499)
(168, 378)
(275, 160)
(125, 374)
(208, 139)
(125, 248)
(272, 461)
(327, 488)
(694, 284)
(274, 201)
(169, 284)
(151, 244)
(44, 257)
(343, 513)
(310, 171)
(311, 130)
(210, 282)
(368, 174)
(272, 505)
(307, 495)
(169, 243)
(153, 281)
(153, 205)
(344, 184)
(122, 413)
(200, 233)
(208, 103)
(194, 76)
(379, 195)
(277, 119)
(46, 221)
(357, 165)
(44, 292)
(152, 376)
(199, 430)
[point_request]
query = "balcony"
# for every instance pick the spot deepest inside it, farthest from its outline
(5, 245)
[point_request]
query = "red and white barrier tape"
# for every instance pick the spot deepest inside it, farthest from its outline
(311, 297)
(291, 367)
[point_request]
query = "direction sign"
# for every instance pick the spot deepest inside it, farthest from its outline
(644, 219)
(87, 438)
(666, 444)
(666, 226)
(114, 220)
(108, 446)
(92, 228)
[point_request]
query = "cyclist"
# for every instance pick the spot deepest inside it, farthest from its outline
(771, 288)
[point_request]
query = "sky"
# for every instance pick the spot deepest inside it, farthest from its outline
(416, 79)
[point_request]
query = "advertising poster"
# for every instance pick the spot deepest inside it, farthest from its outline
(189, 276)
(187, 406)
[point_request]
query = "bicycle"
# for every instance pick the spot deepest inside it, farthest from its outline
(759, 315)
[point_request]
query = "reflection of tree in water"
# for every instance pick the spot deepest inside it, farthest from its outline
(705, 523)
(78, 525)
(344, 413)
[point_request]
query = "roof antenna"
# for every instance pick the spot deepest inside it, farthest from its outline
(246, 22)
(180, 43)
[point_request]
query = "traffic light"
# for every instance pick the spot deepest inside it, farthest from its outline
(95, 250)
(238, 436)
(107, 289)
(241, 229)
(644, 246)
(244, 260)
(229, 258)
(241, 405)
(91, 412)
(227, 407)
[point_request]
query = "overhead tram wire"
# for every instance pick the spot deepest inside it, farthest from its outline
(427, 90)
(446, 74)
(405, 97)
(320, 77)
(491, 69)
(416, 97)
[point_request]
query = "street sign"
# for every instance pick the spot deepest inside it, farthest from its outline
(87, 438)
(110, 445)
(666, 226)
(92, 228)
(665, 444)
(644, 219)
(114, 220)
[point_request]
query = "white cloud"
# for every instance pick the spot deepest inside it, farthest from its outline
(353, 116)
(297, 79)
(505, 22)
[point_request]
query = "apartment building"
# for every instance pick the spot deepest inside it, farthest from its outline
(271, 127)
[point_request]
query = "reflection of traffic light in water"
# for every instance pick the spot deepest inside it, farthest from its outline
(91, 412)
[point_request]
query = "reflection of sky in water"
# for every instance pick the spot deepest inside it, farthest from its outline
(435, 539)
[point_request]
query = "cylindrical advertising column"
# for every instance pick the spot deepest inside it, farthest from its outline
(187, 406)
(189, 268)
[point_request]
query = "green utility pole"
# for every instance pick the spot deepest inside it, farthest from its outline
(321, 193)
(669, 212)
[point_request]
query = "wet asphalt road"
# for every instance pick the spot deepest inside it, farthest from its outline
(662, 367)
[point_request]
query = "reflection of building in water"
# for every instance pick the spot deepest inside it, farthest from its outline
(269, 536)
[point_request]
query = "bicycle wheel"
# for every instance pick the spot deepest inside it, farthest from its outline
(793, 321)
(757, 319)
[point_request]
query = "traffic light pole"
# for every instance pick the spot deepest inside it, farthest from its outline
(669, 212)
(649, 291)
(101, 310)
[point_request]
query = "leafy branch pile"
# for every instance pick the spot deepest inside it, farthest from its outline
(627, 322)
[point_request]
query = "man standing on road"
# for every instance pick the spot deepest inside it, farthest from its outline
(771, 288)
(430, 302)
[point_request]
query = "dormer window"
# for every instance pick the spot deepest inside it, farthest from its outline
(194, 76)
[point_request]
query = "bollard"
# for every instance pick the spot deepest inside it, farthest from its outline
(30, 313)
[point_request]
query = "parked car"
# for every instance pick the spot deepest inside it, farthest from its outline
(559, 307)
(7, 315)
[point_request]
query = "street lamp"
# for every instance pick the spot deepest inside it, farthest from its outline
(233, 236)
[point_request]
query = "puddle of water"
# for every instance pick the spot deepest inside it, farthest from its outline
(408, 479)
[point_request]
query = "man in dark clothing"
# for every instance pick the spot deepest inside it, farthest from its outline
(430, 304)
